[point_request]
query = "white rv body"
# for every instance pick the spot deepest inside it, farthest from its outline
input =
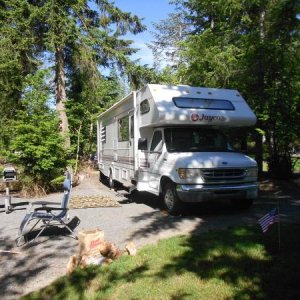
(157, 113)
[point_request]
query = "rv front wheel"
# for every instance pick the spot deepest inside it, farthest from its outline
(171, 201)
(242, 203)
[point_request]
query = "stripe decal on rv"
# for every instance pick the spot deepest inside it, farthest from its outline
(125, 160)
(121, 159)
(144, 163)
(107, 157)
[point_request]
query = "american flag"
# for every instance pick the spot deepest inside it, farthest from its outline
(267, 220)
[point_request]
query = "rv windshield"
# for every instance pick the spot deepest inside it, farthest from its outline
(191, 139)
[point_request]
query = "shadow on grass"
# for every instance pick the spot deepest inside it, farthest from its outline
(239, 263)
(76, 285)
(249, 263)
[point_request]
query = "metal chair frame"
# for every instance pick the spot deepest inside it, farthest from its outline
(47, 214)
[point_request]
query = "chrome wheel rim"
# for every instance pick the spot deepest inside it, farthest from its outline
(169, 199)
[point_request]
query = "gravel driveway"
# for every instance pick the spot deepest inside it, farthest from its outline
(143, 221)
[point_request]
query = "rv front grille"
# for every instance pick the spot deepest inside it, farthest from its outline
(215, 174)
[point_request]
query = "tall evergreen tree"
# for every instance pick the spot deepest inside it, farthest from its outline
(168, 36)
(18, 49)
(252, 46)
(89, 93)
(69, 24)
(78, 37)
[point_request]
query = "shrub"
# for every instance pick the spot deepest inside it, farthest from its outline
(37, 145)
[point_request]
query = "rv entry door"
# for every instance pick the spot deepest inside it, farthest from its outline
(131, 137)
(155, 159)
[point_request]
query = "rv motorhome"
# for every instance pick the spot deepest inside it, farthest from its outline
(168, 140)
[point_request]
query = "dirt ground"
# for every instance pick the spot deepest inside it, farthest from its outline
(143, 221)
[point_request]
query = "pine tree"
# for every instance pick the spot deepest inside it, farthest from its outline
(18, 49)
(252, 46)
(69, 25)
(168, 36)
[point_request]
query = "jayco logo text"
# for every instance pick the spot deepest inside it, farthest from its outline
(209, 118)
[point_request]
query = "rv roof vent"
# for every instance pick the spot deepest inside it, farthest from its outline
(209, 93)
(198, 92)
(238, 95)
(186, 92)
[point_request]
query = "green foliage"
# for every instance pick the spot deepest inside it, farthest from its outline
(58, 180)
(78, 37)
(57, 183)
(17, 59)
(36, 144)
(140, 75)
(167, 75)
(252, 46)
(92, 28)
(296, 164)
(89, 95)
(96, 42)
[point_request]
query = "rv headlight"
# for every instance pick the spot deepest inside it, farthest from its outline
(185, 173)
(251, 172)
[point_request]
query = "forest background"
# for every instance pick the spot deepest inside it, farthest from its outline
(62, 62)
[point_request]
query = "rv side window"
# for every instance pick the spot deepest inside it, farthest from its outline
(156, 144)
(123, 129)
(144, 106)
(183, 102)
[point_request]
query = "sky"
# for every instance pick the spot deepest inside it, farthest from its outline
(151, 11)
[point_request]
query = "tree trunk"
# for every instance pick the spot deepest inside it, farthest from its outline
(259, 153)
(60, 95)
(78, 148)
(261, 95)
(91, 135)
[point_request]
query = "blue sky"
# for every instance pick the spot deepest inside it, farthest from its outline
(151, 11)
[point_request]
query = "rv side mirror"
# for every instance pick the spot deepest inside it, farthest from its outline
(142, 144)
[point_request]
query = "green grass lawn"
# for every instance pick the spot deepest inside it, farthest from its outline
(239, 263)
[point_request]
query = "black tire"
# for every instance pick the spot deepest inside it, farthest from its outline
(102, 178)
(241, 203)
(171, 201)
(134, 196)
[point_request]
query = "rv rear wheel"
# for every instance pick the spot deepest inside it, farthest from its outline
(170, 198)
(111, 182)
(102, 177)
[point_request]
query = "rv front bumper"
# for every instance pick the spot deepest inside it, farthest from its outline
(200, 193)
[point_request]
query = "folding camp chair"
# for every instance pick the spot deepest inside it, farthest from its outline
(49, 215)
